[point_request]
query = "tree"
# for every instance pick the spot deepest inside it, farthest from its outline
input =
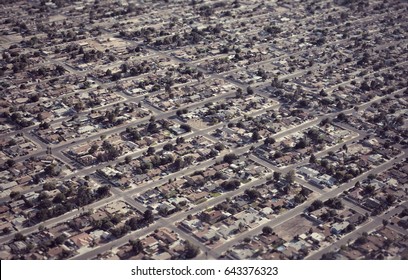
(168, 147)
(178, 163)
(324, 163)
(60, 239)
(256, 136)
(93, 149)
(390, 199)
(312, 158)
(250, 91)
(44, 125)
(325, 122)
(19, 237)
(134, 223)
(128, 159)
(299, 198)
(103, 191)
(276, 176)
(361, 240)
(350, 228)
(342, 117)
(229, 158)
(230, 185)
(137, 246)
(59, 198)
(191, 250)
(163, 210)
(186, 127)
(384, 222)
(50, 170)
(14, 195)
(150, 151)
(148, 216)
(10, 163)
(219, 146)
(290, 176)
(317, 204)
(371, 176)
(269, 140)
(252, 194)
(329, 256)
(334, 203)
(238, 93)
(267, 230)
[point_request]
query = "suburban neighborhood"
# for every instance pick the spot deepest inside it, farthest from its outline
(204, 129)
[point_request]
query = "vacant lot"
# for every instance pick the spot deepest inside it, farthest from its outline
(295, 226)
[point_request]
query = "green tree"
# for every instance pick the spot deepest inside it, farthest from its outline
(269, 140)
(103, 191)
(6, 230)
(267, 230)
(191, 250)
(229, 158)
(312, 158)
(256, 136)
(150, 151)
(148, 216)
(128, 159)
(19, 237)
(93, 149)
(290, 176)
(276, 176)
(137, 246)
(10, 163)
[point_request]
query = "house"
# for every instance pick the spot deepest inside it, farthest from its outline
(273, 240)
(308, 172)
(191, 225)
(194, 180)
(162, 256)
(352, 254)
(98, 235)
(317, 237)
(368, 247)
(372, 203)
(81, 240)
(226, 231)
(150, 242)
(338, 228)
(166, 236)
(18, 247)
(355, 219)
(55, 252)
(212, 217)
(243, 254)
(194, 197)
(9, 185)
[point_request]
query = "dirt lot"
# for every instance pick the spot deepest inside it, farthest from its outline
(295, 226)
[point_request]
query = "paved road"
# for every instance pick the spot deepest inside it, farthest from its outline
(169, 222)
(301, 208)
(67, 216)
(367, 227)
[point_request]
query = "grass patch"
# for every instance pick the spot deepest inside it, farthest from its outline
(215, 194)
(201, 201)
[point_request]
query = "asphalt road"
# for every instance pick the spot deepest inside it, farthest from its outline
(374, 223)
(301, 208)
(170, 221)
